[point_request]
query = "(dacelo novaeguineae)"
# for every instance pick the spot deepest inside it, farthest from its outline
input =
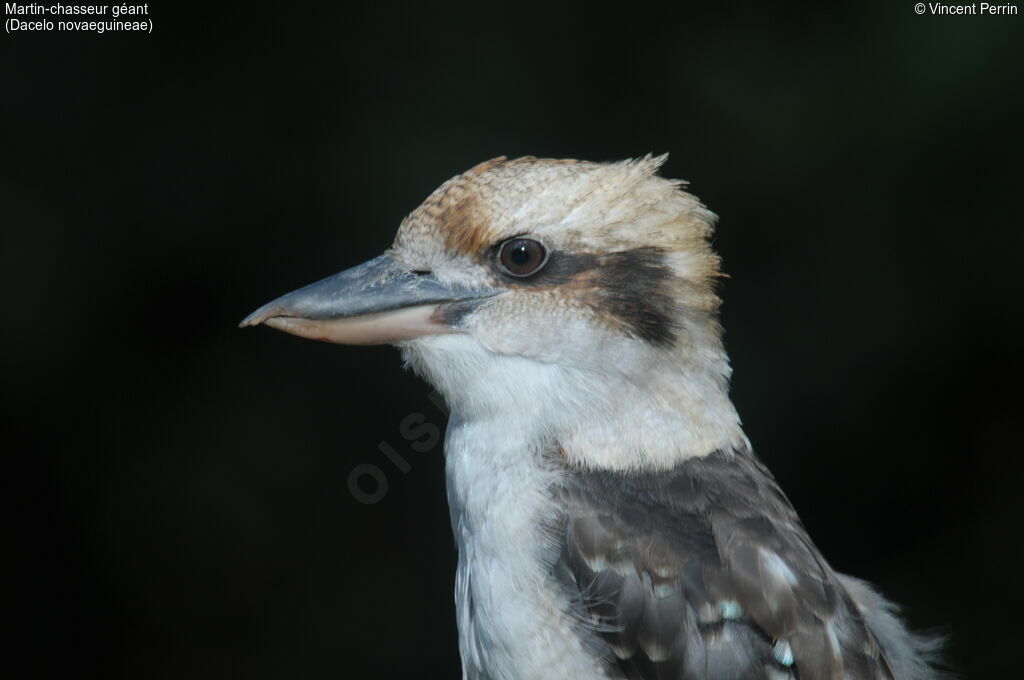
(611, 518)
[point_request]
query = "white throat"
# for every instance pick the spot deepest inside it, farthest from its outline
(647, 410)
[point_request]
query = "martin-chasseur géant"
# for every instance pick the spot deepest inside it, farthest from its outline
(611, 518)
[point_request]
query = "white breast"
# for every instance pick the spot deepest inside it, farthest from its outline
(513, 620)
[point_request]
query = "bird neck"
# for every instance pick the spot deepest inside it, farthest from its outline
(676, 414)
(648, 411)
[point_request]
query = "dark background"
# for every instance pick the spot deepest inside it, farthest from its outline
(180, 499)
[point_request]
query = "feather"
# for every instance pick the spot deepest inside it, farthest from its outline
(724, 577)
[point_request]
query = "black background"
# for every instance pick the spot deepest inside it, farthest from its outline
(181, 508)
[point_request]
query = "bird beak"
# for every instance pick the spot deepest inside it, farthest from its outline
(376, 303)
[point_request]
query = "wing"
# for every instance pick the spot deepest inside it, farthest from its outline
(705, 571)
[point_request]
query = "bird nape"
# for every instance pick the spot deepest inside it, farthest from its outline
(611, 518)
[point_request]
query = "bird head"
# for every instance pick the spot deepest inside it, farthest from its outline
(577, 298)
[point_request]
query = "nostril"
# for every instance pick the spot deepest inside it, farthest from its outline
(421, 272)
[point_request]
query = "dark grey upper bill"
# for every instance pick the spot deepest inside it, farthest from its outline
(376, 286)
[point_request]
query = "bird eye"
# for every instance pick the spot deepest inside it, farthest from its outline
(522, 256)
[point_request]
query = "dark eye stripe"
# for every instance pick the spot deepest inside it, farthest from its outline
(634, 290)
(630, 287)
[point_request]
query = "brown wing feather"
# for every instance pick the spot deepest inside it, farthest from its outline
(705, 571)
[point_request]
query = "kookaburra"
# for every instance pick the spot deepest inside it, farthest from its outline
(611, 518)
